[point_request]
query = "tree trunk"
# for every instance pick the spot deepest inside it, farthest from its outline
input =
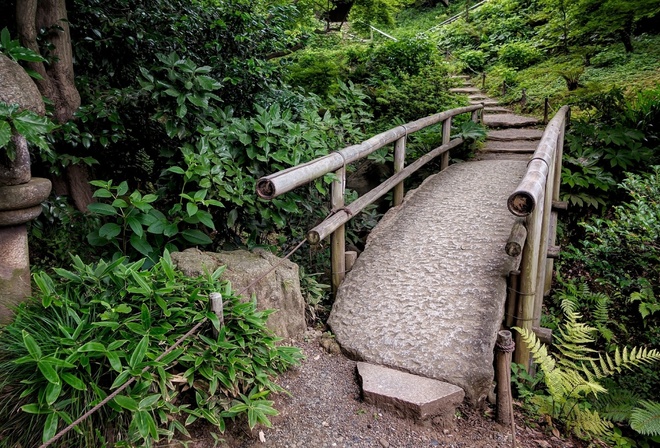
(58, 82)
(58, 85)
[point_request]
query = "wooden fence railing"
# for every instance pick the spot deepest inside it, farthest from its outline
(281, 182)
(537, 201)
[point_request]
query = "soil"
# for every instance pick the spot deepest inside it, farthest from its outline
(324, 409)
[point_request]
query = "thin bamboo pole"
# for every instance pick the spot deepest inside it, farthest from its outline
(512, 298)
(338, 237)
(399, 162)
(502, 369)
(528, 283)
(543, 252)
(552, 233)
(284, 181)
(324, 229)
(446, 136)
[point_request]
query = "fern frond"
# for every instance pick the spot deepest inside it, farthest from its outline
(586, 423)
(616, 405)
(646, 421)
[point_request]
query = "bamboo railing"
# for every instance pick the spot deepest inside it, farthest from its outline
(284, 181)
(537, 200)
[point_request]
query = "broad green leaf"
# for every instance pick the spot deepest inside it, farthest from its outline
(92, 347)
(50, 427)
(121, 379)
(140, 244)
(48, 371)
(140, 351)
(196, 237)
(126, 402)
(5, 133)
(53, 391)
(31, 345)
(148, 402)
(102, 209)
(109, 230)
(73, 381)
(191, 208)
(34, 408)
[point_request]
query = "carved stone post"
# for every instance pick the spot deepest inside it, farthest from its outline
(20, 196)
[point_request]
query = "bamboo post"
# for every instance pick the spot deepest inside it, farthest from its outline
(399, 162)
(483, 81)
(446, 135)
(543, 252)
(552, 234)
(512, 298)
(516, 239)
(528, 282)
(505, 346)
(215, 298)
(546, 106)
(338, 237)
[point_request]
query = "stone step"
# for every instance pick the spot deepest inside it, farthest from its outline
(460, 76)
(497, 110)
(488, 102)
(524, 157)
(517, 146)
(465, 90)
(408, 395)
(507, 135)
(509, 121)
(478, 97)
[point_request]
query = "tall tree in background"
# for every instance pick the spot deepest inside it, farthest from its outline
(597, 20)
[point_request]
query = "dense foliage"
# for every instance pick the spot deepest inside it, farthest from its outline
(93, 327)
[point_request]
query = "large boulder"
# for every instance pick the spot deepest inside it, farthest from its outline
(279, 290)
(16, 87)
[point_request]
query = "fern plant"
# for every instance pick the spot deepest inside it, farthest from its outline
(646, 419)
(572, 375)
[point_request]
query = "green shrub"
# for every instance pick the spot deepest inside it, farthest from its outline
(475, 59)
(93, 327)
(406, 56)
(316, 72)
(519, 55)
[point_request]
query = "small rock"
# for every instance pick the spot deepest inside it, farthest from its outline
(326, 424)
(330, 345)
(384, 443)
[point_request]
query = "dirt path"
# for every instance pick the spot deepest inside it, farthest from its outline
(325, 410)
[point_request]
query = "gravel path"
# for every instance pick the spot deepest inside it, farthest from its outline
(325, 411)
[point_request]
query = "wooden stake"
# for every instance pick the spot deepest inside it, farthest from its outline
(502, 367)
(338, 237)
(399, 162)
(446, 136)
(217, 307)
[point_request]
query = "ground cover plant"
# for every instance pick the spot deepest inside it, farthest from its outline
(92, 327)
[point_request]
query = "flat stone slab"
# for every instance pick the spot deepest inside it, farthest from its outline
(522, 146)
(509, 120)
(506, 135)
(497, 110)
(478, 97)
(408, 395)
(427, 294)
(465, 90)
(485, 102)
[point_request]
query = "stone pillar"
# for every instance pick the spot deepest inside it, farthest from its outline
(18, 205)
(20, 196)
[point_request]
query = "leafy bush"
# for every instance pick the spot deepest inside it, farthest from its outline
(574, 374)
(475, 59)
(518, 55)
(95, 326)
(316, 72)
(403, 57)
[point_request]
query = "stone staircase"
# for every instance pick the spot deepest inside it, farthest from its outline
(511, 136)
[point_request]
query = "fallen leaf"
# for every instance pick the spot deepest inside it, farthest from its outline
(262, 437)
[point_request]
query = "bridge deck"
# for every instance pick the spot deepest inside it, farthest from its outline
(427, 295)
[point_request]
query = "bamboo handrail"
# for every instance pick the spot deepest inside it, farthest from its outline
(532, 186)
(270, 187)
(533, 200)
(286, 180)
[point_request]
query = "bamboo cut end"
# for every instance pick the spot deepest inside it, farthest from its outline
(313, 237)
(521, 203)
(265, 188)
